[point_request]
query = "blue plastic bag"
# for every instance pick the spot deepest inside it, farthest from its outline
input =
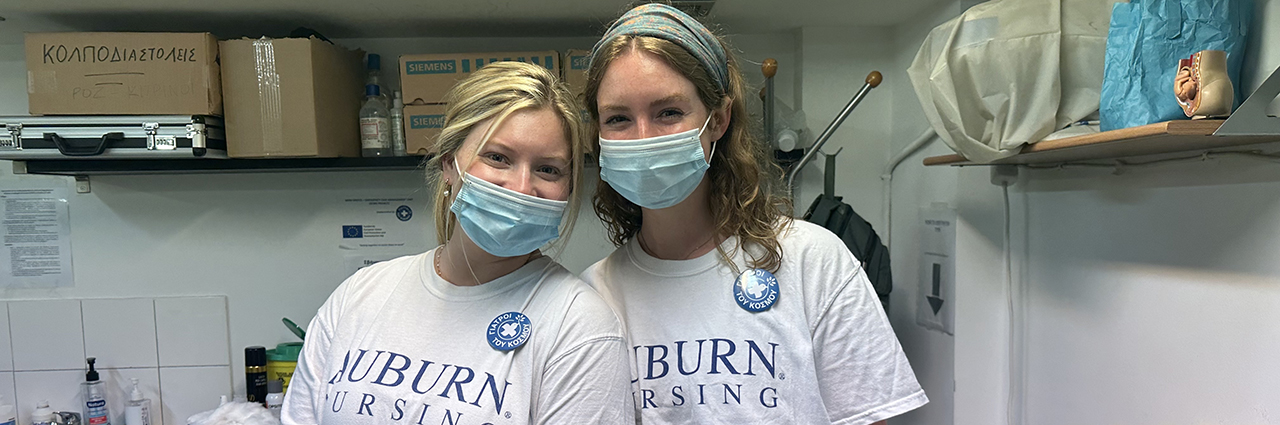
(1144, 44)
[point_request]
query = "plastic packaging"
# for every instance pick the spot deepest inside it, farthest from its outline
(138, 411)
(234, 413)
(269, 95)
(1006, 73)
(95, 397)
(275, 397)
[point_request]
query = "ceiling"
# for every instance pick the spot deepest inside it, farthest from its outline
(421, 18)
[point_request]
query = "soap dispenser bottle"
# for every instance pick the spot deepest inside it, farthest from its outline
(95, 397)
(138, 411)
(43, 415)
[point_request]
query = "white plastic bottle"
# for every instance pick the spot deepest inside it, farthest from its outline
(375, 125)
(138, 411)
(43, 415)
(95, 398)
(275, 397)
(8, 415)
(397, 126)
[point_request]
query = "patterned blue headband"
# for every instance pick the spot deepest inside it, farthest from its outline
(669, 23)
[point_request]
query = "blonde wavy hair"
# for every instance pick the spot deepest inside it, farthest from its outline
(745, 182)
(494, 93)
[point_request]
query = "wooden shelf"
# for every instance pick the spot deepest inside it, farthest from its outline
(1152, 139)
(84, 167)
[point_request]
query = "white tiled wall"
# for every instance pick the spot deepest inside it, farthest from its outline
(46, 335)
(177, 349)
(6, 353)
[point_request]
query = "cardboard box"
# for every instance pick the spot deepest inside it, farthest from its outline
(422, 124)
(123, 73)
(291, 97)
(427, 78)
(576, 63)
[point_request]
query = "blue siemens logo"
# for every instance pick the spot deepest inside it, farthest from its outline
(579, 62)
(449, 66)
(426, 121)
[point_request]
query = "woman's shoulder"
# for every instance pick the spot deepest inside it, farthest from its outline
(583, 313)
(578, 293)
(812, 254)
(807, 240)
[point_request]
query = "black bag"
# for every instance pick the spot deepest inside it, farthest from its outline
(830, 212)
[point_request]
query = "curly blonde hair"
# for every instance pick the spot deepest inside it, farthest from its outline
(495, 92)
(745, 183)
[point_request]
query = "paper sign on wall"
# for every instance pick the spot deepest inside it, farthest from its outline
(935, 307)
(36, 228)
(376, 229)
(383, 223)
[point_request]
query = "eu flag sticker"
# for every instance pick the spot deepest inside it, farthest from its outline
(352, 232)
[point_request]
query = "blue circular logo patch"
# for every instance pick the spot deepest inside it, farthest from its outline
(508, 331)
(404, 213)
(755, 290)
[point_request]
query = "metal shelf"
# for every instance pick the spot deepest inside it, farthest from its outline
(1152, 139)
(89, 167)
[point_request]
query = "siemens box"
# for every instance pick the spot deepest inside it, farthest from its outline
(121, 73)
(426, 78)
(422, 124)
(575, 70)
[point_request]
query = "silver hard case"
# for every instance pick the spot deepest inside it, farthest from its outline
(112, 137)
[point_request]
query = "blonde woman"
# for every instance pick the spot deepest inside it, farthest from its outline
(484, 328)
(735, 313)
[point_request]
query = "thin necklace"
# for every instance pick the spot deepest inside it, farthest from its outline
(439, 272)
(437, 262)
(644, 245)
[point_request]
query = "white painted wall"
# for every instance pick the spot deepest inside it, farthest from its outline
(1154, 293)
(1149, 297)
(966, 375)
(932, 353)
(835, 62)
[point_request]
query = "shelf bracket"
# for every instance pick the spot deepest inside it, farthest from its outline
(1252, 117)
(82, 184)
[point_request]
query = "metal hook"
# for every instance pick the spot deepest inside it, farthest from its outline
(832, 154)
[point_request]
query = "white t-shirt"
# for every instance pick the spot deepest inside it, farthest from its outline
(823, 353)
(397, 344)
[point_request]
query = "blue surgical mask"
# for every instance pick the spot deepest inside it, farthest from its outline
(656, 172)
(504, 222)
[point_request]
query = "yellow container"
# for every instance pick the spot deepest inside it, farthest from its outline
(281, 362)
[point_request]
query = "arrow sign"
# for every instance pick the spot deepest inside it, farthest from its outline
(935, 301)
